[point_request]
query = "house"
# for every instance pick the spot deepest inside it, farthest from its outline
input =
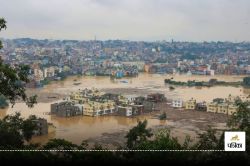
(125, 99)
(125, 110)
(137, 109)
(232, 109)
(190, 104)
(201, 106)
(93, 108)
(156, 97)
(66, 109)
(42, 127)
(49, 72)
(223, 108)
(148, 106)
(38, 74)
(84, 95)
(139, 100)
(212, 107)
(130, 98)
(178, 103)
(111, 96)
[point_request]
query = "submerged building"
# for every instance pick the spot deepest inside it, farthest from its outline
(66, 109)
(42, 127)
(93, 108)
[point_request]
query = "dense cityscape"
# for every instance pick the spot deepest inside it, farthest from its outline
(56, 59)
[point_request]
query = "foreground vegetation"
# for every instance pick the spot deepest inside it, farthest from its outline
(15, 133)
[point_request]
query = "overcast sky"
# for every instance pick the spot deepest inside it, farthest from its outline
(189, 20)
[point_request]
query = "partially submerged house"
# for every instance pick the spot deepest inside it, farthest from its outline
(177, 103)
(202, 106)
(42, 127)
(156, 97)
(66, 109)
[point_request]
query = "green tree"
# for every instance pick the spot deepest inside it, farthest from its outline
(28, 127)
(162, 141)
(209, 140)
(13, 79)
(14, 130)
(2, 26)
(138, 134)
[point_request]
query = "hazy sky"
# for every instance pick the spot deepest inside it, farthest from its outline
(195, 20)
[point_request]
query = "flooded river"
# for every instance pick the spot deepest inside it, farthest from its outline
(76, 129)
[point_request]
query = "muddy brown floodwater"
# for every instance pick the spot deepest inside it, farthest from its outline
(112, 129)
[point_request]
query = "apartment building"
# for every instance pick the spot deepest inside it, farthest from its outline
(212, 107)
(190, 104)
(66, 109)
(125, 110)
(178, 103)
(223, 108)
(232, 109)
(93, 108)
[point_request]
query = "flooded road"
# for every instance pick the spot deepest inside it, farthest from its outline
(76, 129)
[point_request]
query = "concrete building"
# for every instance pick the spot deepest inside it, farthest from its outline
(139, 64)
(38, 74)
(130, 98)
(148, 106)
(125, 110)
(42, 127)
(137, 109)
(222, 108)
(212, 107)
(178, 103)
(92, 108)
(66, 109)
(49, 72)
(201, 106)
(85, 94)
(232, 109)
(190, 104)
(139, 100)
(156, 97)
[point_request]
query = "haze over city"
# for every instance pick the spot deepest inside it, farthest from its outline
(150, 20)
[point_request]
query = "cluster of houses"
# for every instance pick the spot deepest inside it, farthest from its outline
(219, 105)
(92, 102)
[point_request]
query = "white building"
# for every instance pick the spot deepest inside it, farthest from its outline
(130, 98)
(125, 111)
(49, 72)
(38, 74)
(178, 103)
